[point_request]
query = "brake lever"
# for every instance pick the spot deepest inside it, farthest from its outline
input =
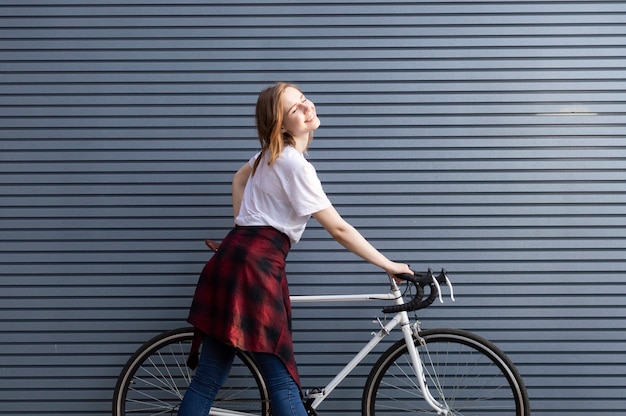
(443, 276)
(436, 282)
(448, 283)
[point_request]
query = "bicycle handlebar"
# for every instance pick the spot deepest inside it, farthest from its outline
(420, 281)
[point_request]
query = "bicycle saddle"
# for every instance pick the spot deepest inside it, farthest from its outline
(213, 245)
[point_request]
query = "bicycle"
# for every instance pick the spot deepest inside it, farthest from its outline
(431, 372)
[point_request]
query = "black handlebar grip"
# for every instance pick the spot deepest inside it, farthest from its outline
(420, 281)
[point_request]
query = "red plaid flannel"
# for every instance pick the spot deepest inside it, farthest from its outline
(242, 296)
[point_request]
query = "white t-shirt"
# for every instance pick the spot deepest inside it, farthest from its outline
(283, 195)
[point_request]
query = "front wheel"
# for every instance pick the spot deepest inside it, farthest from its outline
(155, 378)
(465, 373)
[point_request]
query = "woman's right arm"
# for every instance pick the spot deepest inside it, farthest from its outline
(348, 236)
(239, 184)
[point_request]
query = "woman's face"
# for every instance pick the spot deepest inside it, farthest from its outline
(299, 116)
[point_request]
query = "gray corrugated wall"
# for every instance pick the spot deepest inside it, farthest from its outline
(486, 137)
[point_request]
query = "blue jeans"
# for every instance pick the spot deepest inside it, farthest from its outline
(215, 363)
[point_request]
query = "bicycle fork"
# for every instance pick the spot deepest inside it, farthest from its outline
(418, 366)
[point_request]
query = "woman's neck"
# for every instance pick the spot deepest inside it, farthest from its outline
(302, 143)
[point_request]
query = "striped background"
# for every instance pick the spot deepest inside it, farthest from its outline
(485, 137)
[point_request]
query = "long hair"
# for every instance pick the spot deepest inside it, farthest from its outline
(269, 122)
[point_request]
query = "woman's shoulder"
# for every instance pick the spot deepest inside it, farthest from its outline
(291, 159)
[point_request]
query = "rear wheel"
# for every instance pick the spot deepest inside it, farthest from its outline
(155, 378)
(465, 373)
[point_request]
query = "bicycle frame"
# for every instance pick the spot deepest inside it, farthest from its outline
(400, 318)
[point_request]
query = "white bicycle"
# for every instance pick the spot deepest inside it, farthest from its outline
(448, 372)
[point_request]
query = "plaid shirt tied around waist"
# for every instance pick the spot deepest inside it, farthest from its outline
(242, 296)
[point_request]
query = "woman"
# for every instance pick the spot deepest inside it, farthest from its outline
(242, 298)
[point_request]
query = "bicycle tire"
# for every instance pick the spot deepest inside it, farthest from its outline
(466, 373)
(155, 378)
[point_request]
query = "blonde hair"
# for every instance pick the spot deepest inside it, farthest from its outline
(269, 122)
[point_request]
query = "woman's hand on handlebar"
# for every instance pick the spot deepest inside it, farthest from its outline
(398, 268)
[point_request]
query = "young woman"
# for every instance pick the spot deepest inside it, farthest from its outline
(242, 297)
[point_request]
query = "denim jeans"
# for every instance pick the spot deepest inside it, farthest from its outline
(212, 371)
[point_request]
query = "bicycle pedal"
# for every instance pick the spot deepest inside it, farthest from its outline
(313, 393)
